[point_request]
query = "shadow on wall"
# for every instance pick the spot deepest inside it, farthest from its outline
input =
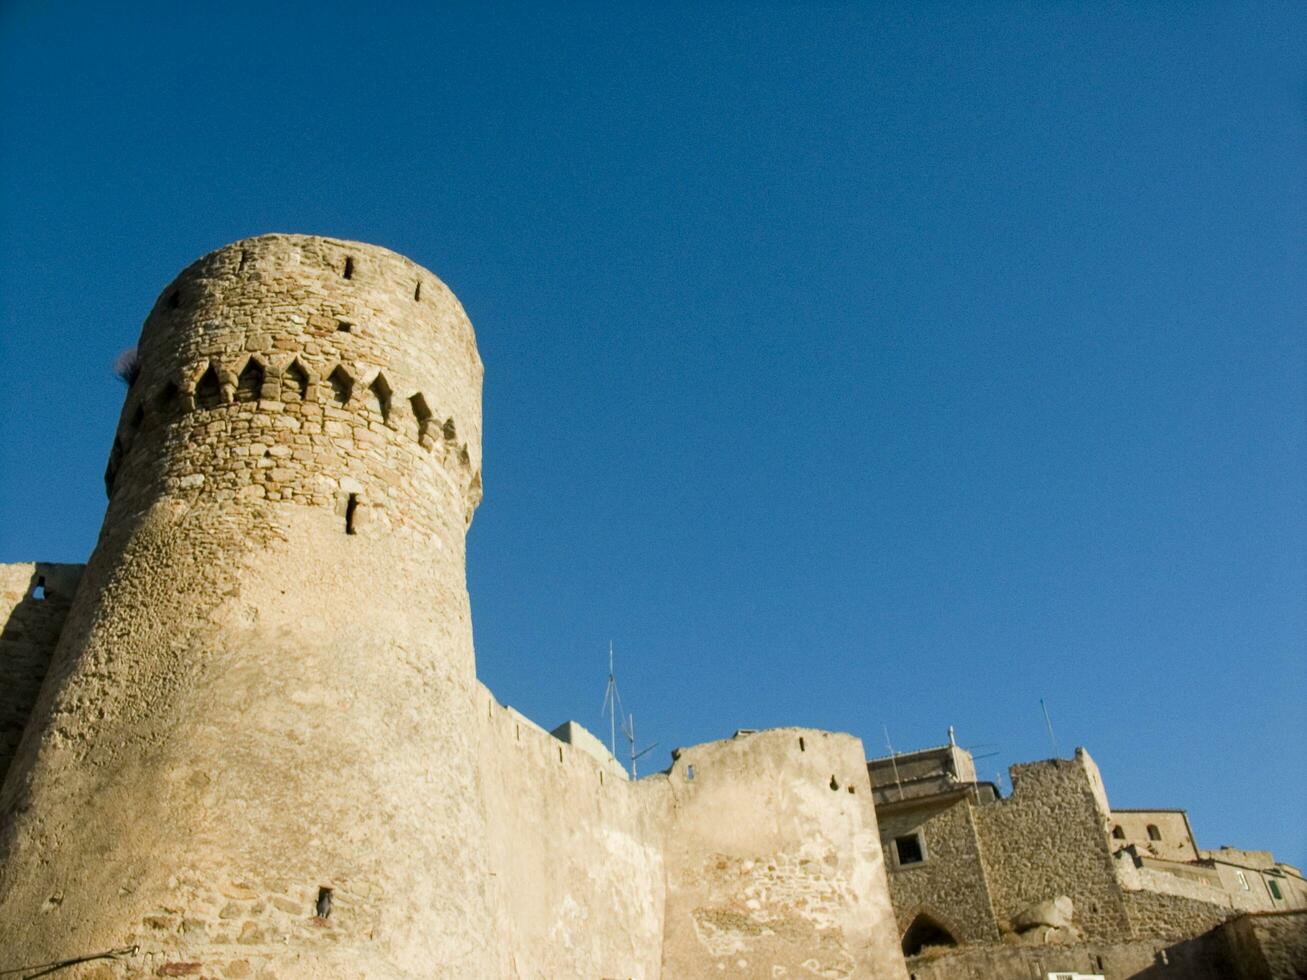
(35, 600)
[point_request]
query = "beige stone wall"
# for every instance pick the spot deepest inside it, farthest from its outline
(575, 855)
(1203, 958)
(773, 863)
(1050, 838)
(949, 885)
(248, 704)
(264, 693)
(1269, 946)
(1171, 916)
(1175, 843)
(34, 601)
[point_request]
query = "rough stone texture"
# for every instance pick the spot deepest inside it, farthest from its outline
(1056, 913)
(261, 750)
(1050, 838)
(1269, 945)
(34, 601)
(1173, 916)
(1161, 833)
(949, 887)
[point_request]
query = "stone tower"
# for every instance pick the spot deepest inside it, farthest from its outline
(262, 697)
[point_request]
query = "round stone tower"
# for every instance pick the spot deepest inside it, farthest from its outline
(254, 748)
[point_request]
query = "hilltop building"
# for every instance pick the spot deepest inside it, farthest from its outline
(1053, 868)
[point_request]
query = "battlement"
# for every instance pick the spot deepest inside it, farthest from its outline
(295, 369)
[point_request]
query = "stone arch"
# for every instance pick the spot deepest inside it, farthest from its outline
(295, 380)
(249, 383)
(342, 385)
(1153, 832)
(208, 389)
(927, 928)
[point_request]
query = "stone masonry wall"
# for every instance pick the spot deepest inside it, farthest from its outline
(1050, 838)
(1269, 945)
(1173, 916)
(34, 601)
(949, 885)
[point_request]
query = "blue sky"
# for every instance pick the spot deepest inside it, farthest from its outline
(864, 367)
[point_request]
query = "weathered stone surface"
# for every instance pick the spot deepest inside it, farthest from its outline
(1055, 912)
(260, 747)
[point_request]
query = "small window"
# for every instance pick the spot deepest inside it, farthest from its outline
(342, 385)
(208, 391)
(249, 385)
(349, 267)
(38, 593)
(1153, 832)
(689, 772)
(1274, 887)
(1118, 833)
(1243, 880)
(908, 850)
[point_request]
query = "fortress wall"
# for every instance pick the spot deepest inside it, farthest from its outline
(34, 601)
(1171, 916)
(773, 861)
(949, 886)
(254, 703)
(1050, 838)
(574, 852)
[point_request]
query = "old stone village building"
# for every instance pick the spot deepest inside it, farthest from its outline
(227, 753)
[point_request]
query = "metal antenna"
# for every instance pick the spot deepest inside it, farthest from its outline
(893, 759)
(628, 729)
(1049, 722)
(612, 704)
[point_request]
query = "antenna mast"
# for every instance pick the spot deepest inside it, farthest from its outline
(1049, 722)
(612, 703)
(894, 761)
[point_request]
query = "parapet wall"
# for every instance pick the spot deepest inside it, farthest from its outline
(34, 601)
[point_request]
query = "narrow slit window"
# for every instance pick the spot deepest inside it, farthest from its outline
(38, 590)
(689, 772)
(351, 510)
(421, 412)
(802, 745)
(417, 291)
(1153, 832)
(168, 396)
(322, 907)
(834, 784)
(349, 267)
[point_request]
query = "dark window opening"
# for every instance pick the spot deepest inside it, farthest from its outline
(908, 850)
(296, 380)
(1274, 886)
(245, 257)
(417, 290)
(449, 431)
(351, 507)
(174, 299)
(802, 746)
(349, 267)
(924, 932)
(689, 772)
(1153, 832)
(250, 383)
(208, 391)
(834, 784)
(38, 593)
(168, 395)
(342, 385)
(381, 394)
(852, 790)
(1118, 833)
(343, 326)
(322, 907)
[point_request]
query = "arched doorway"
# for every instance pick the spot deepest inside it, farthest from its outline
(923, 932)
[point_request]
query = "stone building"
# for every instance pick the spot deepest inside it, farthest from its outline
(247, 739)
(1053, 865)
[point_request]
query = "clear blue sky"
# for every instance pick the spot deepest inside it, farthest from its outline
(847, 366)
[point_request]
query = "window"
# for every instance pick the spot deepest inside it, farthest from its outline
(924, 932)
(1153, 832)
(1243, 880)
(1274, 886)
(1118, 833)
(909, 850)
